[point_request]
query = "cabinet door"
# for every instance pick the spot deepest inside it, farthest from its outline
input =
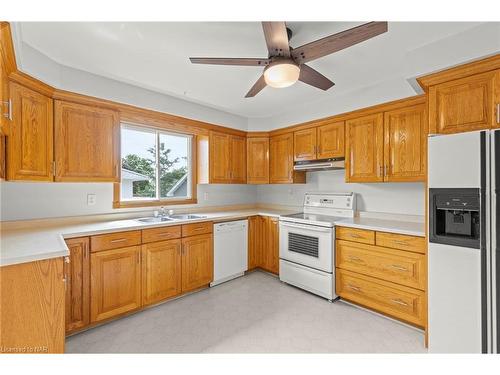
(161, 271)
(238, 160)
(405, 144)
(365, 149)
(271, 245)
(258, 160)
(464, 104)
(77, 274)
(281, 160)
(86, 143)
(304, 144)
(330, 140)
(115, 282)
(219, 155)
(255, 242)
(30, 142)
(197, 262)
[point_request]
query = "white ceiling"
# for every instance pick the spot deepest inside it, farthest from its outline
(155, 56)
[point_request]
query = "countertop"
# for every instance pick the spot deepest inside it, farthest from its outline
(34, 241)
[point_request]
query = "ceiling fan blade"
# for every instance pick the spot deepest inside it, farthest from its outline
(276, 38)
(337, 42)
(314, 78)
(230, 61)
(257, 87)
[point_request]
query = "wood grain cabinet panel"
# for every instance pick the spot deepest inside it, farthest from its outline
(197, 262)
(161, 234)
(398, 301)
(402, 242)
(257, 160)
(304, 144)
(32, 303)
(255, 241)
(400, 267)
(86, 143)
(220, 158)
(365, 149)
(115, 240)
(161, 271)
(405, 144)
(194, 229)
(281, 161)
(464, 104)
(30, 142)
(270, 247)
(356, 235)
(330, 140)
(238, 160)
(115, 282)
(77, 275)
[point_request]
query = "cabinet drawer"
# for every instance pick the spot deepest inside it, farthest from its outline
(402, 242)
(400, 267)
(357, 235)
(197, 228)
(115, 240)
(395, 300)
(161, 234)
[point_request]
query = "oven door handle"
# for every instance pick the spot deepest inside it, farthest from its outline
(306, 227)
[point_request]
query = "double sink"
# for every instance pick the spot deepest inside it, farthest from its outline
(162, 219)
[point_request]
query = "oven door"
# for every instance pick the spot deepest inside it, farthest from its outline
(309, 245)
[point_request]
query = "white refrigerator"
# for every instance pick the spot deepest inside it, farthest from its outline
(463, 258)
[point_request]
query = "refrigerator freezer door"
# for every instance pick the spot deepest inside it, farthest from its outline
(454, 161)
(454, 299)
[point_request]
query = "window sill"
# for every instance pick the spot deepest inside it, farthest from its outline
(156, 202)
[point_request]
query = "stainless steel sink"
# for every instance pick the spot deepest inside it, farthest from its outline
(158, 219)
(187, 217)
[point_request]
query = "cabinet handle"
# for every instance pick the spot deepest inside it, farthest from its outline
(86, 251)
(137, 258)
(66, 260)
(355, 259)
(382, 170)
(8, 115)
(397, 267)
(118, 240)
(399, 302)
(354, 288)
(354, 235)
(402, 243)
(498, 113)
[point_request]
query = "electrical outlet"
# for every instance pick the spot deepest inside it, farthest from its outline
(205, 196)
(91, 199)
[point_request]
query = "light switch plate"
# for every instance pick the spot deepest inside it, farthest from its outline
(91, 199)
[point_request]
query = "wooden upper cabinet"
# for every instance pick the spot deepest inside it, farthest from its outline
(281, 161)
(219, 154)
(258, 160)
(365, 149)
(161, 270)
(405, 144)
(115, 282)
(77, 274)
(304, 144)
(197, 262)
(238, 160)
(30, 141)
(330, 140)
(87, 143)
(465, 104)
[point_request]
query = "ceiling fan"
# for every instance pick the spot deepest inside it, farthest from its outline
(286, 65)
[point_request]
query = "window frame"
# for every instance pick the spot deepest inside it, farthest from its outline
(147, 202)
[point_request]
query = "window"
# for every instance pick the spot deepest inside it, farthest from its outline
(156, 165)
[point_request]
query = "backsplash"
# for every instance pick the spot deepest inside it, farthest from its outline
(21, 201)
(399, 198)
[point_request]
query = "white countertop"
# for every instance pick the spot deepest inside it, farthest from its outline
(31, 241)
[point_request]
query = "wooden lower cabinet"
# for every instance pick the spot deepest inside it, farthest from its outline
(270, 253)
(255, 241)
(386, 272)
(197, 262)
(77, 275)
(161, 271)
(115, 282)
(32, 307)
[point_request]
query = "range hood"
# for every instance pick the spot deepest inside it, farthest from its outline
(319, 165)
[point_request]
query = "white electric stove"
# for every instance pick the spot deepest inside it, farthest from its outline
(307, 242)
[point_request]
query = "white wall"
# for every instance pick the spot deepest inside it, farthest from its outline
(20, 200)
(400, 198)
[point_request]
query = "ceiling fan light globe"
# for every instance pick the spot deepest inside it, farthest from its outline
(281, 74)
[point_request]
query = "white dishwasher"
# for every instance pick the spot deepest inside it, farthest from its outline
(230, 250)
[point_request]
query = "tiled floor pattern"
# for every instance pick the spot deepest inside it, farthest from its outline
(253, 314)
